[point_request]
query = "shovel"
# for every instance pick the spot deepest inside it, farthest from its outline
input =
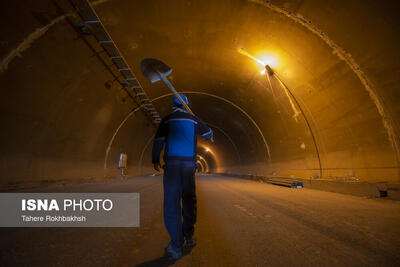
(155, 70)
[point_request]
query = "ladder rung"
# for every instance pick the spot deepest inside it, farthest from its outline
(105, 42)
(92, 21)
(127, 83)
(123, 69)
(116, 57)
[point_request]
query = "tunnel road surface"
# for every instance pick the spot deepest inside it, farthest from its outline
(240, 223)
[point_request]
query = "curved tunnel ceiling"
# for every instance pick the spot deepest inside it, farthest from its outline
(342, 70)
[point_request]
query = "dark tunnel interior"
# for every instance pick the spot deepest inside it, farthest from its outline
(303, 100)
(66, 119)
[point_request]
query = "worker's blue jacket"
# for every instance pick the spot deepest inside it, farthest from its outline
(178, 131)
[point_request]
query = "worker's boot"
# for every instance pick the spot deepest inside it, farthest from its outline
(175, 252)
(190, 242)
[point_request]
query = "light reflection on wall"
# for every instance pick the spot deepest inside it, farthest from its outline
(205, 166)
(210, 151)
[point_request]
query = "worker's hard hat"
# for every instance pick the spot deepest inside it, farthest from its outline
(184, 98)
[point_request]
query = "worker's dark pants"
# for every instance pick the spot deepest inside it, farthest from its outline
(179, 184)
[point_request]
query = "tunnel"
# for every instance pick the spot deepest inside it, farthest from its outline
(292, 89)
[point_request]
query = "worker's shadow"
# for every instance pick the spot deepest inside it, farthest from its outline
(164, 260)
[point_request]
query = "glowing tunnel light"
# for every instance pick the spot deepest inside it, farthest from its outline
(270, 60)
(264, 60)
(247, 54)
(211, 152)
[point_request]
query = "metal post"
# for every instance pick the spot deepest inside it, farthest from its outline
(270, 72)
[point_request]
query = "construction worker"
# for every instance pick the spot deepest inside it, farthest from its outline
(178, 133)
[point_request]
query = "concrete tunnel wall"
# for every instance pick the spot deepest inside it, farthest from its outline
(340, 60)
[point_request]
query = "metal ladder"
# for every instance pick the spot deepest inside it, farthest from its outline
(91, 25)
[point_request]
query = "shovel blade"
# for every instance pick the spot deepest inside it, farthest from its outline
(152, 68)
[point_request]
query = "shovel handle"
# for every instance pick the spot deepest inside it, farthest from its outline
(169, 85)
